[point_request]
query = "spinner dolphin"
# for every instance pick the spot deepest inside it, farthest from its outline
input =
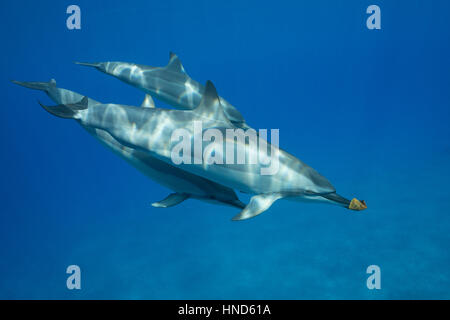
(170, 84)
(150, 131)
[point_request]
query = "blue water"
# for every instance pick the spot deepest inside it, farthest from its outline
(369, 109)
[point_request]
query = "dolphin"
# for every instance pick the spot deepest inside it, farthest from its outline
(185, 184)
(170, 84)
(150, 130)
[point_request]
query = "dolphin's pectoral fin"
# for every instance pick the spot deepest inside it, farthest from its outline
(257, 205)
(175, 64)
(148, 102)
(171, 200)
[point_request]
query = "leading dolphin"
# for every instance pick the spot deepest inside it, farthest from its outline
(150, 130)
(170, 84)
(185, 184)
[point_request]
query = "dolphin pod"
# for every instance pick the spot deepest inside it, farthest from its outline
(143, 137)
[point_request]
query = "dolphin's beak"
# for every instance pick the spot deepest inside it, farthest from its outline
(357, 205)
(95, 65)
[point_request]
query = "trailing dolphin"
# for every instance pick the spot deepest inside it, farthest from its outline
(150, 131)
(170, 84)
(185, 184)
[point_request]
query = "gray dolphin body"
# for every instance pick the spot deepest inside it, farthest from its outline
(170, 84)
(185, 184)
(150, 131)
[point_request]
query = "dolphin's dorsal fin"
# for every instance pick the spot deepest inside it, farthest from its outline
(148, 102)
(175, 64)
(210, 106)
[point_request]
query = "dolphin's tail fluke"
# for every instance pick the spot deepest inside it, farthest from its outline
(43, 86)
(67, 111)
(354, 204)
